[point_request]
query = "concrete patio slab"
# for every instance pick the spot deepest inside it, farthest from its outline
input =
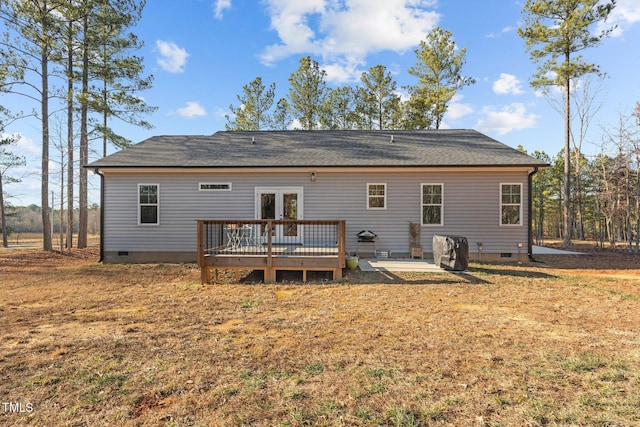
(427, 265)
(399, 265)
(541, 250)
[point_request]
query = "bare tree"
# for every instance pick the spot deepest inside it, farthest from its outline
(618, 180)
(8, 160)
(636, 150)
(587, 103)
(60, 144)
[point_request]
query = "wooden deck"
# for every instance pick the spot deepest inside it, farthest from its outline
(270, 246)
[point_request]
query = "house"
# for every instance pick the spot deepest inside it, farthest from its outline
(451, 182)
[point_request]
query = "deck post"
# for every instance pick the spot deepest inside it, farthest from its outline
(342, 244)
(270, 276)
(203, 275)
(204, 270)
(200, 243)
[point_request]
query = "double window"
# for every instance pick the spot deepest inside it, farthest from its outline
(376, 196)
(510, 204)
(432, 204)
(148, 204)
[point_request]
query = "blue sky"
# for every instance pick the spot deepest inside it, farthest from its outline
(201, 53)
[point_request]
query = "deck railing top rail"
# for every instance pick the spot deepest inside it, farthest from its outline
(274, 222)
(302, 238)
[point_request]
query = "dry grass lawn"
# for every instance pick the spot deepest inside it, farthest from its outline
(551, 343)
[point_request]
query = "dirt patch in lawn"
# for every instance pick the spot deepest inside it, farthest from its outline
(548, 343)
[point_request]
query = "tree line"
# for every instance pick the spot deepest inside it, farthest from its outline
(605, 190)
(28, 219)
(87, 47)
(373, 104)
(79, 54)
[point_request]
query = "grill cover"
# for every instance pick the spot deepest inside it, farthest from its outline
(367, 236)
(451, 252)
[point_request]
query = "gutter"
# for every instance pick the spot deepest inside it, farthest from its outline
(346, 166)
(97, 172)
(530, 214)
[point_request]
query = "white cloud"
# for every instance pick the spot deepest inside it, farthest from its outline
(403, 94)
(193, 109)
(509, 118)
(505, 30)
(457, 109)
(345, 32)
(295, 125)
(27, 191)
(220, 7)
(172, 57)
(625, 14)
(507, 84)
(346, 71)
(220, 113)
(23, 145)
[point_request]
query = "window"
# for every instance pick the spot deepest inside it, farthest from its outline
(510, 204)
(148, 204)
(376, 196)
(214, 186)
(432, 204)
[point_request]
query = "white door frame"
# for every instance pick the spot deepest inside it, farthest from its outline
(279, 193)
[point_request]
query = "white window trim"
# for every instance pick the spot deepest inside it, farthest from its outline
(521, 223)
(384, 184)
(422, 205)
(157, 204)
(209, 190)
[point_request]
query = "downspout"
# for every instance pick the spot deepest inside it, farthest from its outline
(97, 172)
(530, 214)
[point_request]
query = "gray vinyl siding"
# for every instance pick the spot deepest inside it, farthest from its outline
(471, 207)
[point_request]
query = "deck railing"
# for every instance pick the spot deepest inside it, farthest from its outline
(256, 243)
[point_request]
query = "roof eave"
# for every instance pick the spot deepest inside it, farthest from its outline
(311, 166)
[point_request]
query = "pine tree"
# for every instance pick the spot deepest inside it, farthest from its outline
(281, 115)
(307, 92)
(34, 32)
(106, 57)
(554, 32)
(253, 111)
(84, 128)
(418, 112)
(439, 70)
(378, 96)
(338, 111)
(67, 58)
(118, 71)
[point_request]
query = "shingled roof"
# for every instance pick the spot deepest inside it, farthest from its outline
(264, 149)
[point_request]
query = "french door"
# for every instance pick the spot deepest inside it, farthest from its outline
(281, 203)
